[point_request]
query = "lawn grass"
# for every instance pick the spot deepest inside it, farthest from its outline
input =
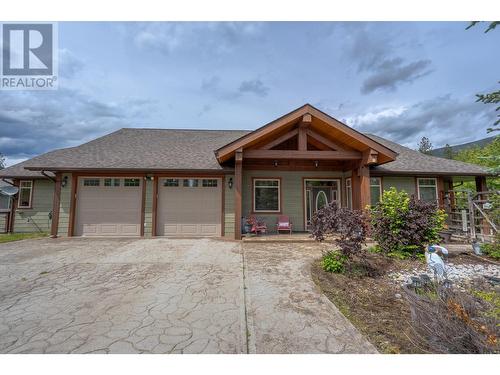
(9, 237)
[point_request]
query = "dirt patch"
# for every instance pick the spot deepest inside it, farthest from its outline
(375, 304)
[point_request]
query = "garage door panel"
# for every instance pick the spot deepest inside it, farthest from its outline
(189, 211)
(108, 210)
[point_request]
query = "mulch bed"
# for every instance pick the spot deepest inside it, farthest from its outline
(376, 304)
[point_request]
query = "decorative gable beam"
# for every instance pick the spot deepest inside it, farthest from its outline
(303, 136)
(306, 121)
(370, 157)
(307, 118)
(310, 155)
(325, 141)
(279, 140)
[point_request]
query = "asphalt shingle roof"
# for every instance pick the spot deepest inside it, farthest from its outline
(411, 161)
(164, 149)
(147, 149)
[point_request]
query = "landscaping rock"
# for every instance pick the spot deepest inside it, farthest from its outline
(457, 273)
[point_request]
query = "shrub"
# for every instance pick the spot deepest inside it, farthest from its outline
(402, 226)
(348, 226)
(491, 249)
(333, 261)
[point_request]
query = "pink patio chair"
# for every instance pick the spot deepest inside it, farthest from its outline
(258, 227)
(284, 224)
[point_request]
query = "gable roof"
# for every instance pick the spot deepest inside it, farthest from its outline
(414, 162)
(141, 149)
(195, 150)
(330, 125)
(18, 171)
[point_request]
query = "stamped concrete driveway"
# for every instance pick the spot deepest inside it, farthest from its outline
(166, 296)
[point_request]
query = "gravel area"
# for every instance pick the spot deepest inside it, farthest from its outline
(457, 273)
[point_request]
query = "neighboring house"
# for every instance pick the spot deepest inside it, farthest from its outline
(163, 182)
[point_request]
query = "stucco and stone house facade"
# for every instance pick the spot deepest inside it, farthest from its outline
(166, 182)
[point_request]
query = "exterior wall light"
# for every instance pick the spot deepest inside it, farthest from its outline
(316, 163)
(275, 163)
(64, 181)
(230, 183)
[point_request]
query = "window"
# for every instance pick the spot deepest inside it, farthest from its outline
(91, 182)
(209, 183)
(375, 190)
(111, 182)
(190, 182)
(348, 191)
(427, 189)
(4, 202)
(171, 182)
(266, 195)
(25, 194)
(131, 182)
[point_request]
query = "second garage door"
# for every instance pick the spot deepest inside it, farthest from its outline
(189, 207)
(108, 206)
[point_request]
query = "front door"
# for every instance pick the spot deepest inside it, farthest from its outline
(319, 193)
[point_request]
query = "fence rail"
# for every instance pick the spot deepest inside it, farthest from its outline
(473, 215)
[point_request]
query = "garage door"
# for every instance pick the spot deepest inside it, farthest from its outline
(189, 207)
(108, 206)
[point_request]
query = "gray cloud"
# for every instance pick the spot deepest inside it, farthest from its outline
(441, 119)
(376, 52)
(69, 64)
(211, 37)
(35, 122)
(393, 72)
(255, 86)
(211, 84)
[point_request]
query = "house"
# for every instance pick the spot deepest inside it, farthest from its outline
(164, 182)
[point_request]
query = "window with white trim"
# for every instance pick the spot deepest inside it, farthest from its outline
(209, 182)
(427, 189)
(111, 182)
(375, 190)
(91, 182)
(348, 192)
(266, 195)
(190, 182)
(131, 182)
(25, 194)
(171, 182)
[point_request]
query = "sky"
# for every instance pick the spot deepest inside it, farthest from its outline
(401, 81)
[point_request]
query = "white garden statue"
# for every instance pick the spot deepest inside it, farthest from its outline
(435, 262)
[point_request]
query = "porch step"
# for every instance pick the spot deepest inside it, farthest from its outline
(299, 237)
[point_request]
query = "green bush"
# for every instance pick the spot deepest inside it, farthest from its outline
(403, 225)
(491, 249)
(333, 261)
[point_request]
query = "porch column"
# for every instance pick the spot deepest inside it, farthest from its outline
(364, 186)
(238, 176)
(56, 206)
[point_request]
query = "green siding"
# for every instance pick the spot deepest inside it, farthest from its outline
(148, 209)
(292, 196)
(228, 209)
(400, 183)
(36, 219)
(3, 222)
(62, 230)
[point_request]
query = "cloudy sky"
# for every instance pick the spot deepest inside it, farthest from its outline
(401, 81)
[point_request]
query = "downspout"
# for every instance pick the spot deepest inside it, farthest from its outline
(46, 175)
(8, 182)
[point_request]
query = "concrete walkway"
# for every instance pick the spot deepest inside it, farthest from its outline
(286, 311)
(165, 296)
